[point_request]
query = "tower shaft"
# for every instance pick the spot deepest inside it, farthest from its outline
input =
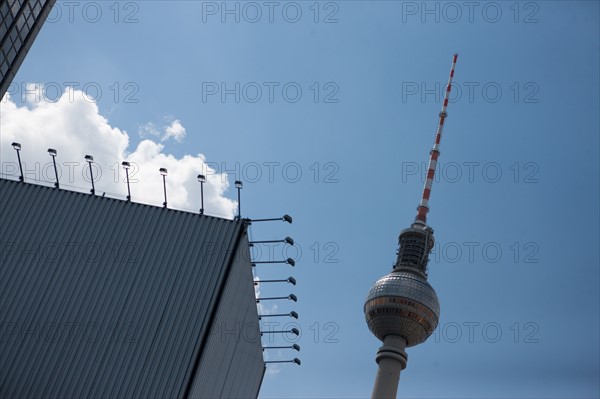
(423, 207)
(391, 360)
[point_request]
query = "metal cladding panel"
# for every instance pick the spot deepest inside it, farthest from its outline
(232, 363)
(104, 298)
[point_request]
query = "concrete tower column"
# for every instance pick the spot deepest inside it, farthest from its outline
(391, 359)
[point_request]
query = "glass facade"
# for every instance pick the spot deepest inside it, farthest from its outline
(20, 22)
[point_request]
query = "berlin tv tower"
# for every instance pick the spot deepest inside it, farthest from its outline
(402, 309)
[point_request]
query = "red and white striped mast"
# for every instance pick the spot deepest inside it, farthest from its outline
(423, 207)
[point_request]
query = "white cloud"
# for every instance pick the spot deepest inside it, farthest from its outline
(74, 127)
(175, 130)
(149, 130)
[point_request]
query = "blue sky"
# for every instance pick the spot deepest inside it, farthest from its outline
(341, 143)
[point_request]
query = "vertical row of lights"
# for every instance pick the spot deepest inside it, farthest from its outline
(291, 297)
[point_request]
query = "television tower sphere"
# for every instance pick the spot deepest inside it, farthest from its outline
(403, 304)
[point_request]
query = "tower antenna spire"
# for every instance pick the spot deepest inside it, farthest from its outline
(423, 207)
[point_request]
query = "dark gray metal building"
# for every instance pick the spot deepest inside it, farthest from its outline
(20, 22)
(105, 298)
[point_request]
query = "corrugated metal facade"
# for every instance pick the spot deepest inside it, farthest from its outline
(104, 298)
(230, 362)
